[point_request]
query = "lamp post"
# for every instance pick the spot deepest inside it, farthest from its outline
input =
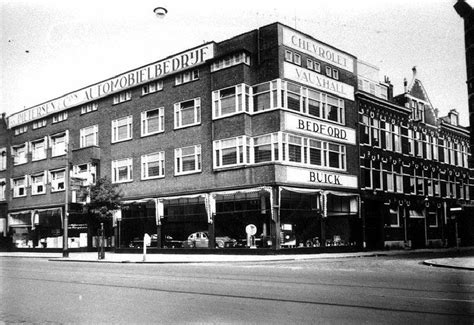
(66, 205)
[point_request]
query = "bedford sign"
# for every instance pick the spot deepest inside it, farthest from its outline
(121, 82)
(316, 80)
(313, 127)
(318, 50)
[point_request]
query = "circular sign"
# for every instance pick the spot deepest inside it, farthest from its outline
(251, 230)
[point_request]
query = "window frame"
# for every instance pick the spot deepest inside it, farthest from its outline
(24, 158)
(91, 130)
(121, 97)
(16, 188)
(120, 163)
(157, 85)
(144, 165)
(178, 160)
(56, 182)
(53, 145)
(178, 109)
(241, 147)
(144, 129)
(89, 107)
(116, 124)
(35, 185)
(40, 154)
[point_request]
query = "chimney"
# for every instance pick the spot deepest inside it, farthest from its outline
(414, 72)
(405, 84)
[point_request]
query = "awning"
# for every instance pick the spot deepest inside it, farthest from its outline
(20, 219)
(415, 214)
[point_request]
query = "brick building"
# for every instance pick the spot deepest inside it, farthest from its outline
(414, 165)
(254, 130)
(258, 133)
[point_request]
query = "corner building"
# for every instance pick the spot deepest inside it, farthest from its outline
(255, 130)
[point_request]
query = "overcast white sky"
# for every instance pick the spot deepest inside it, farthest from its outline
(72, 44)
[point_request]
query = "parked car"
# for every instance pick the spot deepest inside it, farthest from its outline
(200, 239)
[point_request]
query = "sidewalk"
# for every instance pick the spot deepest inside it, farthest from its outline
(110, 257)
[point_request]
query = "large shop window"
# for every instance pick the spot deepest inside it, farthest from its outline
(89, 136)
(231, 152)
(153, 165)
(122, 129)
(187, 113)
(19, 154)
(187, 160)
(122, 170)
(231, 100)
(153, 121)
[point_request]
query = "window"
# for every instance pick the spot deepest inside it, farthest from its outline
(3, 188)
(187, 160)
(335, 74)
(60, 117)
(122, 170)
(230, 61)
(58, 144)
(313, 65)
(185, 77)
(38, 184)
(38, 149)
(122, 129)
(231, 152)
(265, 96)
(265, 148)
(292, 98)
(394, 217)
(19, 186)
(336, 156)
(87, 108)
(39, 124)
(122, 97)
(375, 134)
(292, 148)
(3, 158)
(231, 100)
(187, 113)
(377, 175)
(21, 129)
(152, 87)
(153, 121)
(89, 136)
(153, 165)
(19, 154)
(86, 172)
(288, 56)
(58, 180)
(432, 218)
(328, 71)
(297, 59)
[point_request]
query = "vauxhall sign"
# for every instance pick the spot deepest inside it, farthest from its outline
(121, 82)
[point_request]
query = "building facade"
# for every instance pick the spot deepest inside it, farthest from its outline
(414, 167)
(251, 142)
(255, 130)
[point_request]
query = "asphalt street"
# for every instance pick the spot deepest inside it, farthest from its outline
(376, 290)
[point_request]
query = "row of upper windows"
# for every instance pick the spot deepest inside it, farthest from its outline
(378, 175)
(38, 148)
(274, 95)
(237, 151)
(152, 87)
(381, 134)
(311, 64)
(55, 178)
(396, 213)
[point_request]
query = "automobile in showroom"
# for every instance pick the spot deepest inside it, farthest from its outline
(200, 239)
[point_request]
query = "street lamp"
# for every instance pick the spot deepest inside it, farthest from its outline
(66, 205)
(160, 12)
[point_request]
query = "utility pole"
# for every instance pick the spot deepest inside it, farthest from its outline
(66, 205)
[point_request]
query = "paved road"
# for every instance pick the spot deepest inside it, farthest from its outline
(351, 290)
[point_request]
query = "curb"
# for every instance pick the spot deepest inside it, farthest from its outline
(447, 266)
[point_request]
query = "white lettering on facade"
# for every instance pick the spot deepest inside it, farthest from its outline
(314, 48)
(316, 80)
(317, 177)
(127, 80)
